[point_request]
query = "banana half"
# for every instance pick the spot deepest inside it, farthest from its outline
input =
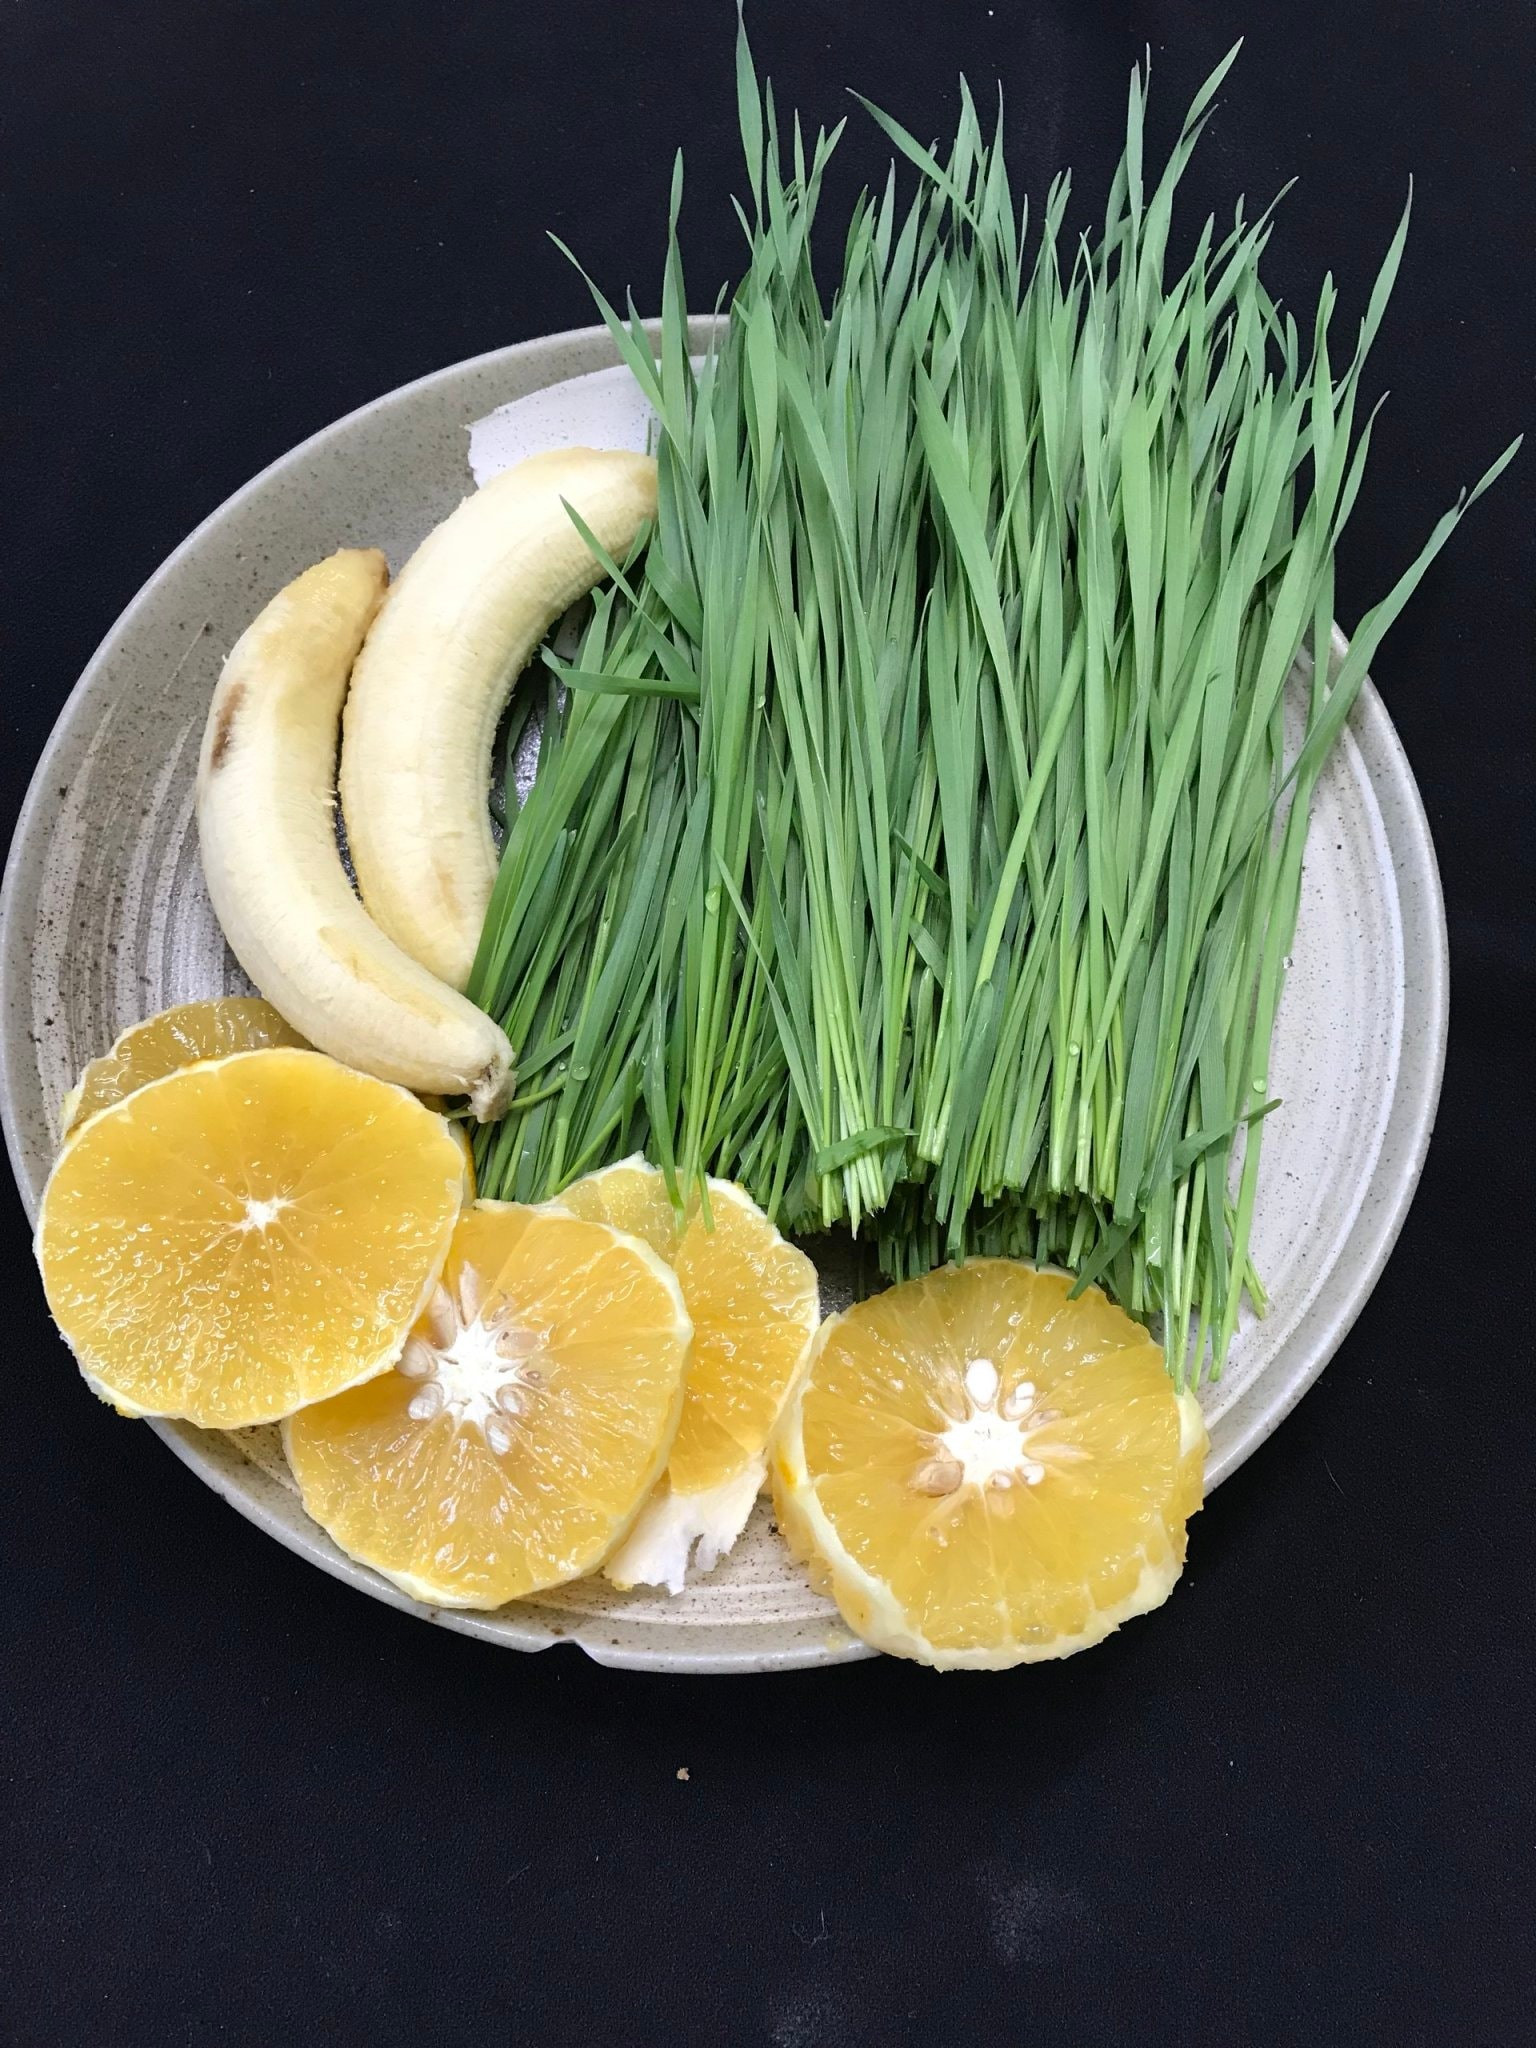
(434, 676)
(266, 821)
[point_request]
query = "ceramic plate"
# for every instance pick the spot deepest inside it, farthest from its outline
(105, 919)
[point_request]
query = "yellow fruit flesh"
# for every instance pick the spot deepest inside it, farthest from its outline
(754, 1299)
(246, 1235)
(753, 1302)
(987, 1471)
(632, 1197)
(174, 1039)
(546, 1376)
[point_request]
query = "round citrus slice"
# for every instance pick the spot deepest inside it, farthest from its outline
(753, 1302)
(175, 1038)
(527, 1421)
(982, 1471)
(245, 1235)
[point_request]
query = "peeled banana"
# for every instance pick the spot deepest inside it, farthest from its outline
(434, 676)
(266, 820)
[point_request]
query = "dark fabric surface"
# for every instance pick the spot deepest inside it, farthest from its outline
(245, 1805)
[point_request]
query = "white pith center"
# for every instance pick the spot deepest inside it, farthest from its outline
(989, 1445)
(478, 1370)
(470, 1374)
(260, 1214)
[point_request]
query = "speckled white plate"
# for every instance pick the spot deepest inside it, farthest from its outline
(105, 920)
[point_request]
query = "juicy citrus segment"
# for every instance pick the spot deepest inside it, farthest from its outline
(630, 1196)
(986, 1472)
(527, 1421)
(754, 1299)
(171, 1040)
(753, 1302)
(245, 1235)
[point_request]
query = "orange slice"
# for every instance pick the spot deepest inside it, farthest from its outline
(175, 1038)
(753, 1302)
(526, 1424)
(204, 1030)
(982, 1471)
(248, 1234)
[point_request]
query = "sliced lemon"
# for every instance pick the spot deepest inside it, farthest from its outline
(753, 1302)
(173, 1039)
(245, 1235)
(984, 1472)
(526, 1424)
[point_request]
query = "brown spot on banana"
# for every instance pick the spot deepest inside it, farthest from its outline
(224, 725)
(461, 623)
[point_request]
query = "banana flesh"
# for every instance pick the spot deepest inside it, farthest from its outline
(434, 676)
(266, 821)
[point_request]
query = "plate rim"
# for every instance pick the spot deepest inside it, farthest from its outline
(1408, 1122)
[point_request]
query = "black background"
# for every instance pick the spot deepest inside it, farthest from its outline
(246, 1805)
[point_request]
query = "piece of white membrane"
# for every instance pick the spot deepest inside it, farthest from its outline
(604, 409)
